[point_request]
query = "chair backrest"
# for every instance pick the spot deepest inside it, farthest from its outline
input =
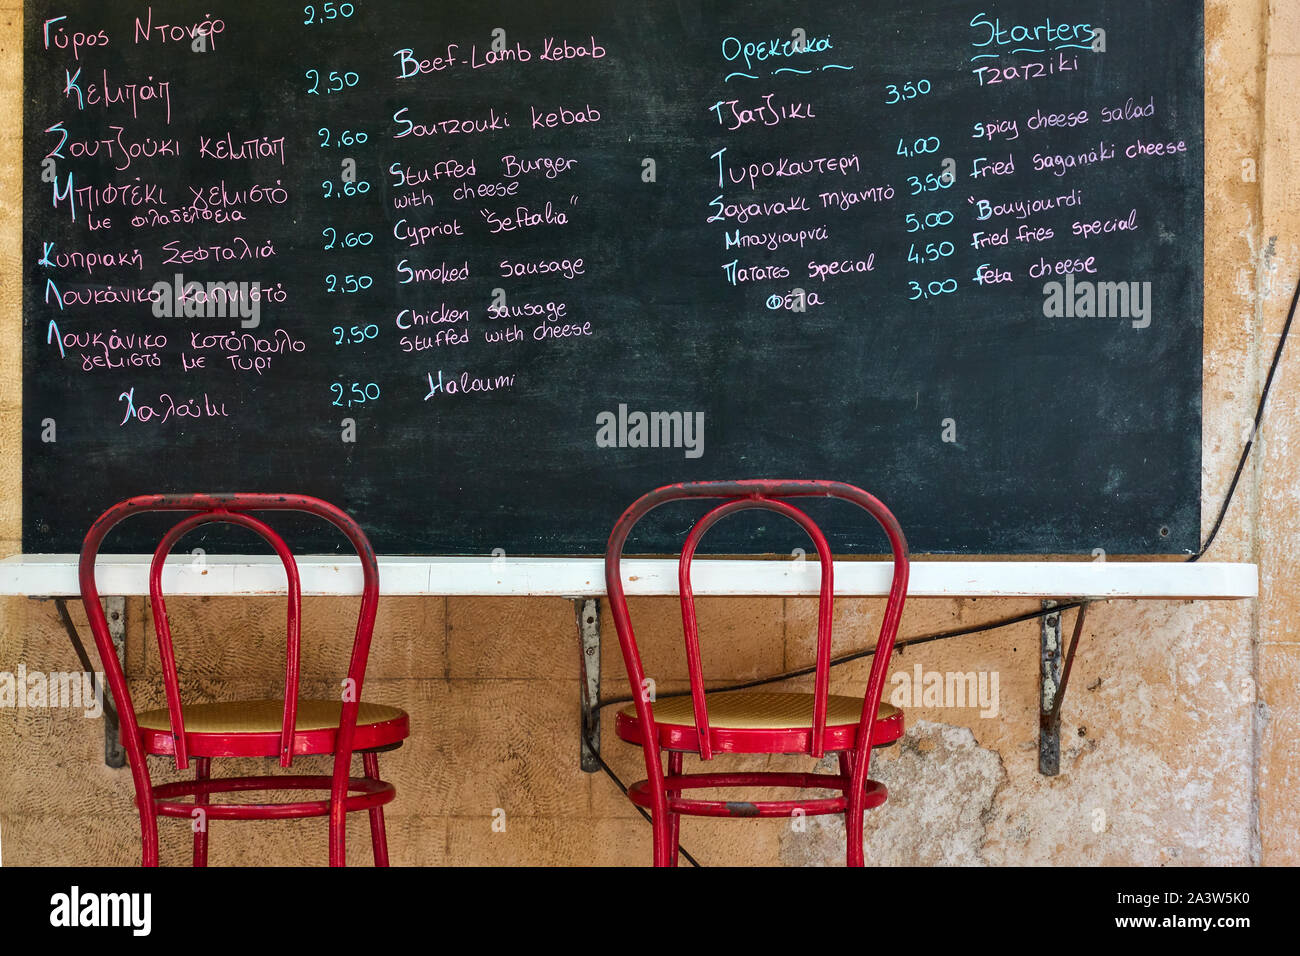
(228, 509)
(742, 496)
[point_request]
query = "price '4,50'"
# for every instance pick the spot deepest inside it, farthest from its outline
(932, 252)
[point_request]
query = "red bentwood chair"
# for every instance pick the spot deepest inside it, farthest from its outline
(283, 728)
(748, 723)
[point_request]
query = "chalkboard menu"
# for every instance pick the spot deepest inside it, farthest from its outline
(482, 273)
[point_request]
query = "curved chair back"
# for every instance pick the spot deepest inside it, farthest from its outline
(229, 509)
(769, 495)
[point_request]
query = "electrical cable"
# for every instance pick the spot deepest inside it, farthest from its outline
(1259, 418)
(868, 652)
(601, 704)
(609, 772)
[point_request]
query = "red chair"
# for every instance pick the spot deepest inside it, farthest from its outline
(749, 723)
(284, 728)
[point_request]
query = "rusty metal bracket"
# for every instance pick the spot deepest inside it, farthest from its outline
(115, 610)
(1054, 677)
(588, 617)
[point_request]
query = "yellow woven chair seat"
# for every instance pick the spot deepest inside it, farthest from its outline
(760, 711)
(264, 716)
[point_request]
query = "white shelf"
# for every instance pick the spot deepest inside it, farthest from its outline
(55, 575)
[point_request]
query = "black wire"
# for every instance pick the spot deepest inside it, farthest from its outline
(1259, 418)
(1020, 618)
(1007, 621)
(858, 655)
(609, 772)
(79, 649)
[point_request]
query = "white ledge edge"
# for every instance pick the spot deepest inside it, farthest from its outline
(55, 575)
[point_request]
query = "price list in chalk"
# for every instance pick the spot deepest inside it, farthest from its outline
(155, 223)
(399, 252)
(921, 204)
(433, 211)
(290, 216)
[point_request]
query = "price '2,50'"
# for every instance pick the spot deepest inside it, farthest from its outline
(359, 394)
(356, 335)
(348, 284)
(329, 11)
(336, 82)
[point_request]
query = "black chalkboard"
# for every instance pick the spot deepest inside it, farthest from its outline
(818, 228)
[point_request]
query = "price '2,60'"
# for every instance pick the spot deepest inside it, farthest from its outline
(350, 240)
(343, 140)
(349, 189)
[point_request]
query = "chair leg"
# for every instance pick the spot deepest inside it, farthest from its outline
(148, 831)
(201, 768)
(674, 820)
(659, 817)
(662, 853)
(378, 835)
(854, 827)
(854, 824)
(338, 815)
(144, 801)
